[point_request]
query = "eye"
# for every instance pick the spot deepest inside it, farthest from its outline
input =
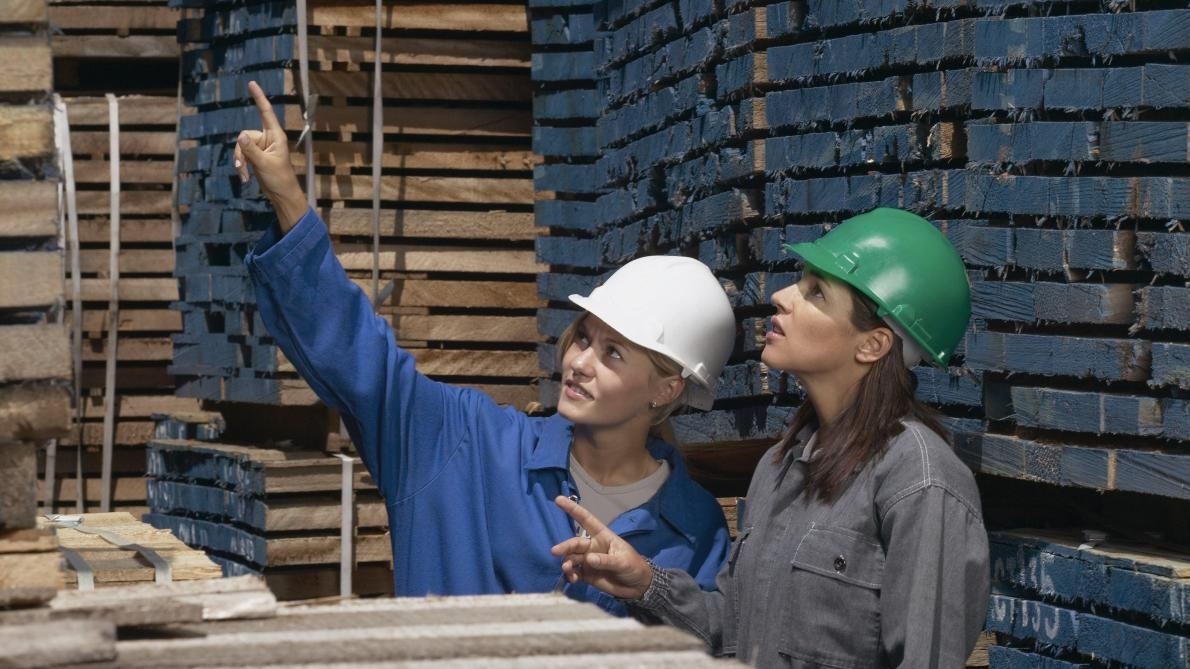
(582, 340)
(816, 292)
(614, 353)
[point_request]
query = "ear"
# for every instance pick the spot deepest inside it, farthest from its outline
(667, 389)
(874, 345)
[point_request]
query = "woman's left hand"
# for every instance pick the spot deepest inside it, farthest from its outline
(604, 560)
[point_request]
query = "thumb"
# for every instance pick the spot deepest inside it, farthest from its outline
(251, 150)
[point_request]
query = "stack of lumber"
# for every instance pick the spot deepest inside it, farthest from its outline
(272, 511)
(30, 568)
(35, 369)
(454, 262)
(1061, 603)
(234, 627)
(78, 628)
(133, 287)
(115, 549)
(89, 35)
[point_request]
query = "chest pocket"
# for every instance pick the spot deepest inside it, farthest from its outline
(833, 608)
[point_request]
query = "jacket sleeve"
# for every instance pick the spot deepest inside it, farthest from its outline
(404, 425)
(675, 597)
(936, 581)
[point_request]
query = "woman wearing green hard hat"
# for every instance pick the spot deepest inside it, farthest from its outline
(863, 544)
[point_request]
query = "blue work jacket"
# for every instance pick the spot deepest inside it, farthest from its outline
(469, 485)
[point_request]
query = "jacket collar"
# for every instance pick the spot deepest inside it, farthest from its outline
(670, 503)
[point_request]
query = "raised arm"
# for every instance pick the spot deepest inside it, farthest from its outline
(404, 425)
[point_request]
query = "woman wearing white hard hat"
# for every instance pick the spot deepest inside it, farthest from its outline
(469, 486)
(863, 543)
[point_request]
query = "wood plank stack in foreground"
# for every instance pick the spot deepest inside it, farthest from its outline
(454, 260)
(233, 626)
(271, 511)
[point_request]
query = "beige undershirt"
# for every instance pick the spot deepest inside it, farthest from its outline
(608, 502)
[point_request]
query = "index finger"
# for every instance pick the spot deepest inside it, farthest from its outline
(268, 118)
(584, 518)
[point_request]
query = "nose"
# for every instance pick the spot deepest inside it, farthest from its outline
(581, 363)
(783, 299)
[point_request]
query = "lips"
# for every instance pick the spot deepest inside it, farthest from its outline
(776, 329)
(576, 389)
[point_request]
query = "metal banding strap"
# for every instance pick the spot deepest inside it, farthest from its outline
(377, 155)
(346, 523)
(113, 308)
(162, 573)
(307, 97)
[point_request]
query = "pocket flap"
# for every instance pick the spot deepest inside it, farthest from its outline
(841, 554)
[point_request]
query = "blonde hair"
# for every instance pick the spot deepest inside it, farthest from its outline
(663, 364)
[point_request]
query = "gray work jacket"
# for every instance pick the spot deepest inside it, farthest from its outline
(894, 573)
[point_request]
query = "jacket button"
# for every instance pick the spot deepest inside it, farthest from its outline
(840, 564)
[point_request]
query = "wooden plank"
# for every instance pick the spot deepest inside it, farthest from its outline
(426, 189)
(235, 598)
(34, 412)
(1015, 658)
(24, 11)
(132, 171)
(422, 15)
(31, 279)
(271, 514)
(457, 294)
(477, 86)
(133, 290)
(1112, 141)
(1077, 411)
(29, 352)
(138, 230)
(98, 202)
(1107, 359)
(115, 46)
(420, 120)
(28, 65)
(250, 470)
(440, 259)
(132, 143)
(1171, 364)
(31, 208)
(61, 643)
(127, 432)
(131, 261)
(26, 131)
(1164, 308)
(133, 320)
(1167, 252)
(837, 103)
(128, 490)
(114, 17)
(1052, 302)
(418, 156)
(114, 565)
(18, 485)
(1099, 34)
(316, 581)
(476, 51)
(29, 579)
(135, 110)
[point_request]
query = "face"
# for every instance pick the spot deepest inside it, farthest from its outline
(812, 333)
(606, 381)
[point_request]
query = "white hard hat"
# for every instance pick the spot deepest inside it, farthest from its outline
(672, 305)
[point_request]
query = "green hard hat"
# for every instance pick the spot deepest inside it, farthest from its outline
(907, 267)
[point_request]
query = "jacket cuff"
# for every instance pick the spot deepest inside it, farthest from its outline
(653, 598)
(271, 257)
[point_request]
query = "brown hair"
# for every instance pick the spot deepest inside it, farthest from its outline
(664, 365)
(885, 397)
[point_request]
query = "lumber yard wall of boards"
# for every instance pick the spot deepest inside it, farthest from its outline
(1048, 140)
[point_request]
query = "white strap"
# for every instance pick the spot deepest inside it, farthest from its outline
(113, 308)
(377, 155)
(175, 217)
(346, 524)
(307, 97)
(70, 201)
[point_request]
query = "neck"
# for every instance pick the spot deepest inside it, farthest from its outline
(831, 395)
(613, 456)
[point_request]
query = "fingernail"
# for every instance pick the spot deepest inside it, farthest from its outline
(239, 164)
(244, 140)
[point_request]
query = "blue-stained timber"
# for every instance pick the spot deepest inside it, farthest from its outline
(563, 66)
(736, 77)
(565, 142)
(1086, 634)
(1081, 35)
(577, 28)
(676, 60)
(757, 422)
(1050, 355)
(547, 4)
(565, 214)
(1046, 250)
(1164, 308)
(553, 322)
(568, 251)
(615, 127)
(759, 287)
(228, 22)
(768, 244)
(1171, 364)
(564, 105)
(940, 91)
(1143, 197)
(1154, 85)
(1166, 252)
(837, 103)
(1112, 141)
(637, 36)
(699, 177)
(1052, 302)
(797, 17)
(566, 178)
(211, 536)
(1057, 464)
(559, 286)
(927, 45)
(940, 387)
(179, 498)
(1078, 411)
(748, 379)
(1003, 657)
(1120, 576)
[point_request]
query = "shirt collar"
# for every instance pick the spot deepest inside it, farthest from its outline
(553, 452)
